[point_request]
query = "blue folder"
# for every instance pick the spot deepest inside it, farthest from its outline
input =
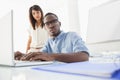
(103, 70)
(116, 74)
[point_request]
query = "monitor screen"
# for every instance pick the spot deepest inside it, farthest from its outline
(103, 33)
(6, 38)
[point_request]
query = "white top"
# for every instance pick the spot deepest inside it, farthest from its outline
(39, 37)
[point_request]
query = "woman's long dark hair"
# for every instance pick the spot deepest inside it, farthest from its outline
(32, 20)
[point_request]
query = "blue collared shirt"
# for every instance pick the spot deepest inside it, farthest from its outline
(68, 42)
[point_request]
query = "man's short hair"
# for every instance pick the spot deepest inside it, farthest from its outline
(49, 13)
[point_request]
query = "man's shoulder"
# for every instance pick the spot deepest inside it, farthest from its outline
(71, 33)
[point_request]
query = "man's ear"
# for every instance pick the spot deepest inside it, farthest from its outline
(60, 23)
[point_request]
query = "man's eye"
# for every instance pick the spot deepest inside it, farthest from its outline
(51, 22)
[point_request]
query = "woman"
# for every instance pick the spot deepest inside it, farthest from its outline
(37, 34)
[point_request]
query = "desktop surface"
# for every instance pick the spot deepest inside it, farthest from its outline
(27, 73)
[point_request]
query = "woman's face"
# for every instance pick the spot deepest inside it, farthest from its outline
(36, 15)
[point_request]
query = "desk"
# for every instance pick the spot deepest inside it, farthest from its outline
(26, 73)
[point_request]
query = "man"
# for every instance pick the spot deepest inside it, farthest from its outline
(64, 47)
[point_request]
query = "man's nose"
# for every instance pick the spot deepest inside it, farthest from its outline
(50, 25)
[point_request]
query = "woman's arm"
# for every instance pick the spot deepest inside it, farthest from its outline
(28, 43)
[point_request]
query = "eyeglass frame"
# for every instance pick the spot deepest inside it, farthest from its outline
(51, 22)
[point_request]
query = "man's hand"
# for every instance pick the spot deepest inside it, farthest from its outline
(35, 56)
(18, 55)
(43, 57)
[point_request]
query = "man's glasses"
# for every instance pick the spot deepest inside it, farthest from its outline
(51, 22)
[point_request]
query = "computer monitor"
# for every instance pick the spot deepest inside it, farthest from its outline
(103, 33)
(6, 38)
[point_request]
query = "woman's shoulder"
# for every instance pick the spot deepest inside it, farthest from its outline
(29, 28)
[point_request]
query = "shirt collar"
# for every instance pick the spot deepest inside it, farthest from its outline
(59, 36)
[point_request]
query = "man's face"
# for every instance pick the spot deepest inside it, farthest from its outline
(52, 25)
